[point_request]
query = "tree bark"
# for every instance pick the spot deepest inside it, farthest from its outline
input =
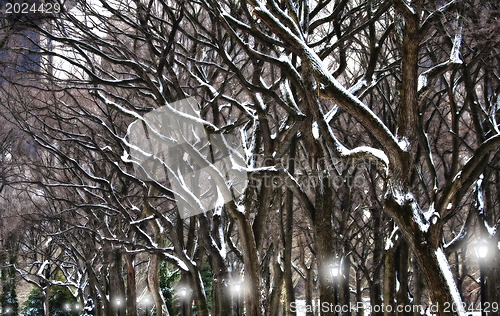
(277, 286)
(323, 232)
(389, 281)
(441, 287)
(425, 245)
(376, 294)
(402, 266)
(288, 234)
(154, 283)
(418, 286)
(116, 283)
(131, 285)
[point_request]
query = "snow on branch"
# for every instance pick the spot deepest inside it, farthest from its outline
(424, 78)
(458, 240)
(364, 152)
(330, 88)
(345, 153)
(437, 14)
(495, 106)
(466, 173)
(404, 7)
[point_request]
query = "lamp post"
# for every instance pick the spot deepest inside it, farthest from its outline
(146, 301)
(183, 294)
(481, 250)
(117, 305)
(67, 308)
(335, 273)
(236, 288)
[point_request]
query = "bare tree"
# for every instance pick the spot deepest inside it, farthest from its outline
(369, 134)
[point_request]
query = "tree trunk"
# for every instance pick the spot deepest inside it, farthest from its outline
(418, 287)
(323, 232)
(308, 272)
(425, 247)
(116, 283)
(154, 284)
(46, 306)
(253, 298)
(96, 292)
(288, 234)
(439, 280)
(153, 277)
(359, 297)
(131, 291)
(345, 292)
(309, 289)
(377, 262)
(46, 291)
(221, 300)
(389, 281)
(277, 286)
(199, 294)
(402, 277)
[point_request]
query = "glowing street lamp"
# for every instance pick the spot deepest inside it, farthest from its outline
(236, 289)
(67, 307)
(482, 249)
(147, 304)
(183, 293)
(335, 273)
(334, 270)
(117, 305)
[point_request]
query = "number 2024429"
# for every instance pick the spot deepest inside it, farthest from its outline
(26, 8)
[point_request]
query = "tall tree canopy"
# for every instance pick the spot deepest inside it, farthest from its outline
(367, 131)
